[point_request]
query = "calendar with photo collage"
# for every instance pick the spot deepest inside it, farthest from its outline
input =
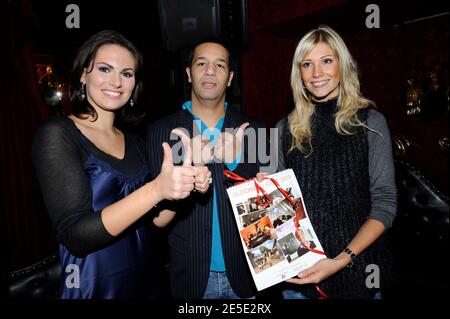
(277, 236)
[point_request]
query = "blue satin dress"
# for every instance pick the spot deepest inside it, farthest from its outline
(119, 270)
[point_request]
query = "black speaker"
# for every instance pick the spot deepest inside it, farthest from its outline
(234, 18)
(185, 22)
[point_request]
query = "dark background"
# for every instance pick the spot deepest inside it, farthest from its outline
(411, 43)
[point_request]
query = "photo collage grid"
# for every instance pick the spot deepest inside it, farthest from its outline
(268, 231)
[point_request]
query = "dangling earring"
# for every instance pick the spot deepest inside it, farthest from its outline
(83, 91)
(131, 102)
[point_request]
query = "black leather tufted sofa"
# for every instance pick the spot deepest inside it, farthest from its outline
(38, 281)
(419, 235)
(423, 210)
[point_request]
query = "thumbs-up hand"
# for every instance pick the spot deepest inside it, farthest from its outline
(229, 145)
(192, 148)
(202, 149)
(175, 182)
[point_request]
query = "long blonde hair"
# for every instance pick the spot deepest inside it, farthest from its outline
(349, 100)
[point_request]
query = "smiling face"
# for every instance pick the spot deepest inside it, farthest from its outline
(110, 79)
(320, 72)
(209, 74)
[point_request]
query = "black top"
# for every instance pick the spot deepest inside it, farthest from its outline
(59, 152)
(383, 191)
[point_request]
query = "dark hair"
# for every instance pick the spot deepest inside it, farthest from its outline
(191, 51)
(83, 59)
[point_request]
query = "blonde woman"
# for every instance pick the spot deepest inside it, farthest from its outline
(339, 148)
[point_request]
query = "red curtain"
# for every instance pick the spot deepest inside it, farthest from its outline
(27, 234)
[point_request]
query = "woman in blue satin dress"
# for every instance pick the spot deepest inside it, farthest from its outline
(95, 180)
